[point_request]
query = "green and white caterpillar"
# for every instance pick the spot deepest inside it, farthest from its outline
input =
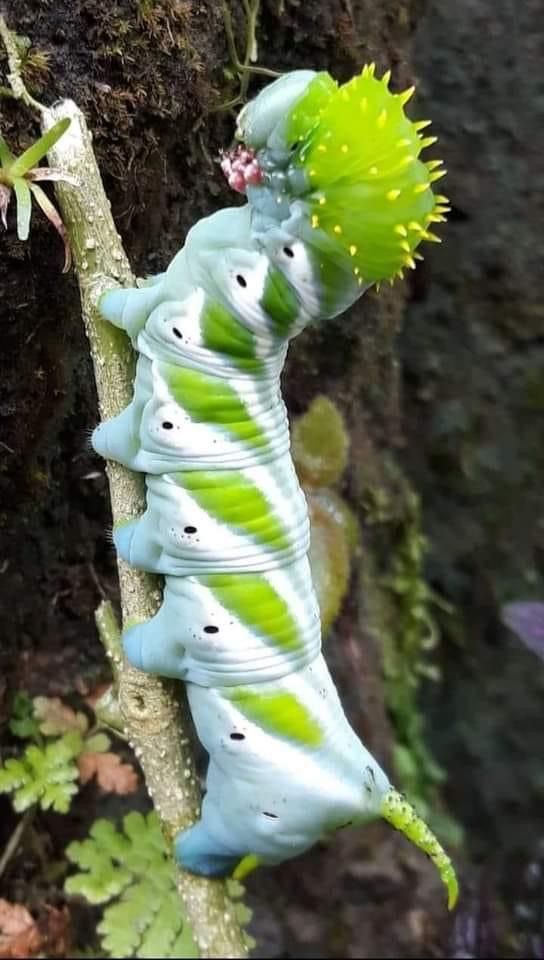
(338, 199)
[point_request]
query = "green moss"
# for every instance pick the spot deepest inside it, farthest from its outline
(320, 444)
(405, 610)
(320, 447)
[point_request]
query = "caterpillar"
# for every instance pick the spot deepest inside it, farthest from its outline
(338, 199)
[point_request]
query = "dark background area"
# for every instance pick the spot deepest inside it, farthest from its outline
(441, 382)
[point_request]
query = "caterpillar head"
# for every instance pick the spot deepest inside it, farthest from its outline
(258, 120)
(353, 158)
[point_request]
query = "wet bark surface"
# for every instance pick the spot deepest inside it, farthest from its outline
(460, 416)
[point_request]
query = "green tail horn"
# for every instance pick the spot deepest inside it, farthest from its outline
(398, 812)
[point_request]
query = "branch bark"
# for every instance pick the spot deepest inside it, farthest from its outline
(156, 723)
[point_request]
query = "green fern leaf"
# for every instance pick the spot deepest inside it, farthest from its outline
(131, 871)
(100, 858)
(44, 775)
(12, 775)
(184, 945)
(23, 722)
(236, 892)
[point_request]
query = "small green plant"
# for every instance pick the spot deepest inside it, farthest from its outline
(44, 775)
(410, 637)
(23, 722)
(130, 871)
(18, 175)
(62, 749)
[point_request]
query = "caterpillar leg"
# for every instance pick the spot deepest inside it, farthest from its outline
(196, 850)
(118, 438)
(156, 646)
(130, 308)
(136, 542)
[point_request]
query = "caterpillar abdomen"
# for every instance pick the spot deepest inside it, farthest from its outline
(285, 769)
(337, 200)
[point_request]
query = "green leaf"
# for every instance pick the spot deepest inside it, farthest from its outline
(31, 157)
(101, 859)
(236, 892)
(98, 743)
(184, 945)
(131, 871)
(22, 722)
(24, 207)
(12, 775)
(43, 775)
(6, 156)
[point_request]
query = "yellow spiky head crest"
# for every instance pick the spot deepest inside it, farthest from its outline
(369, 191)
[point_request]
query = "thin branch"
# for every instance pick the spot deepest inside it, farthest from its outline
(107, 708)
(110, 634)
(156, 725)
(243, 68)
(14, 77)
(11, 846)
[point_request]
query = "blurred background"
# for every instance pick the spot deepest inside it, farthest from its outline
(435, 400)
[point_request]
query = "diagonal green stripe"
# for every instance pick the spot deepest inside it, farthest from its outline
(256, 604)
(280, 302)
(279, 713)
(223, 333)
(235, 501)
(207, 399)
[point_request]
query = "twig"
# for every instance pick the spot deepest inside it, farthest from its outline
(15, 839)
(107, 708)
(14, 77)
(244, 68)
(156, 724)
(110, 634)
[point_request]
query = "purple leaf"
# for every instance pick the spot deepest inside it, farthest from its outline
(51, 173)
(526, 619)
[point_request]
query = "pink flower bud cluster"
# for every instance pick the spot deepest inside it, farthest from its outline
(241, 168)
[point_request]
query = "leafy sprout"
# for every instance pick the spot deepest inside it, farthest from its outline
(130, 871)
(18, 175)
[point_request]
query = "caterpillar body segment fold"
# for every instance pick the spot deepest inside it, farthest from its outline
(338, 199)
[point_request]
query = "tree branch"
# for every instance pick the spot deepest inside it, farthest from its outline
(156, 724)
